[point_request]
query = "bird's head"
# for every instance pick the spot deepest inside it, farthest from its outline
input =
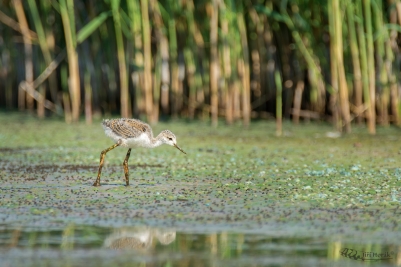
(169, 138)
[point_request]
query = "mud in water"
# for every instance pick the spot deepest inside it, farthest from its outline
(238, 197)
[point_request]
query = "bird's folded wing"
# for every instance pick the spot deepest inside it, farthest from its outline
(125, 129)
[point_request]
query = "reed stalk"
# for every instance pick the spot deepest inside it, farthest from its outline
(173, 55)
(279, 103)
(334, 70)
(165, 74)
(363, 59)
(13, 24)
(156, 87)
(383, 88)
(19, 9)
(67, 16)
(147, 79)
(191, 69)
(315, 75)
(124, 94)
(226, 62)
(40, 31)
(44, 45)
(353, 41)
(298, 101)
(161, 60)
(137, 75)
(50, 45)
(189, 58)
(244, 70)
(268, 68)
(41, 102)
(343, 87)
(370, 65)
(393, 46)
(200, 57)
(64, 96)
(88, 98)
(214, 57)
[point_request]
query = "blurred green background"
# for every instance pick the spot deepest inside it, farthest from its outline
(238, 60)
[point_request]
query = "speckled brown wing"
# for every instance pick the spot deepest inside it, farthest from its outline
(127, 128)
(138, 125)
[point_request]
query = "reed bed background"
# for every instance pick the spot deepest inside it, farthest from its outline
(233, 59)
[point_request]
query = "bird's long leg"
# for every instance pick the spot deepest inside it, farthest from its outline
(125, 164)
(102, 155)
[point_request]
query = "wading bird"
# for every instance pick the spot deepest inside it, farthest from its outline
(132, 133)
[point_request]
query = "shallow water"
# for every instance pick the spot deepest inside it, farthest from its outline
(148, 246)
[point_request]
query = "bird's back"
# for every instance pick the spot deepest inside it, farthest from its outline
(126, 129)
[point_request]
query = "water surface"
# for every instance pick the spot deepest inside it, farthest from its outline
(148, 246)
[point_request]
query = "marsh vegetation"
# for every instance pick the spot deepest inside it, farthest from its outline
(238, 194)
(335, 61)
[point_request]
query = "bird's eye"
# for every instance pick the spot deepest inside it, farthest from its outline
(169, 138)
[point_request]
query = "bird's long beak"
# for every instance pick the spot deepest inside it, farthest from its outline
(179, 148)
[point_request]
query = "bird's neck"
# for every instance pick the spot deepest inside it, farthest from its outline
(156, 141)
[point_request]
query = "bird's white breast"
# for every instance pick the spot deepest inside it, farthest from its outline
(140, 141)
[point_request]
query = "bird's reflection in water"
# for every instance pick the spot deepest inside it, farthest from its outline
(139, 238)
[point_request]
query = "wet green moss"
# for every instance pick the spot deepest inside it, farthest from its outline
(230, 174)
